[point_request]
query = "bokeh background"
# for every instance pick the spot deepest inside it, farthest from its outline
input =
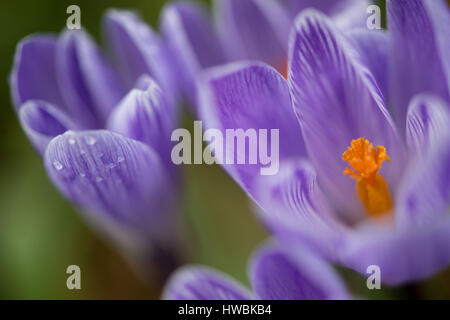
(41, 233)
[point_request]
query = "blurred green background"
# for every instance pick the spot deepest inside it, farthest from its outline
(41, 234)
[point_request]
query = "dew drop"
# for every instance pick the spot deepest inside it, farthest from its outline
(72, 141)
(120, 159)
(91, 141)
(58, 166)
(99, 179)
(111, 165)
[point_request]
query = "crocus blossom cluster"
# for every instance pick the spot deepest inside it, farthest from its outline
(103, 127)
(361, 98)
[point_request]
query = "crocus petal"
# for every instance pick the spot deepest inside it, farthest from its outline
(145, 116)
(294, 208)
(192, 41)
(110, 176)
(254, 29)
(419, 44)
(403, 254)
(336, 100)
(278, 274)
(372, 46)
(427, 122)
(201, 283)
(34, 75)
(425, 191)
(137, 50)
(42, 121)
(249, 96)
(89, 86)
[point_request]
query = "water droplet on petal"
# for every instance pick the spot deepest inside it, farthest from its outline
(72, 141)
(91, 141)
(82, 174)
(120, 159)
(58, 165)
(111, 165)
(99, 179)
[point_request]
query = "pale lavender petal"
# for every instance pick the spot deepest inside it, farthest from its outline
(137, 50)
(88, 84)
(294, 208)
(42, 121)
(419, 44)
(424, 193)
(192, 40)
(281, 274)
(427, 122)
(250, 96)
(112, 177)
(146, 116)
(34, 75)
(346, 13)
(402, 254)
(336, 100)
(201, 283)
(372, 46)
(254, 29)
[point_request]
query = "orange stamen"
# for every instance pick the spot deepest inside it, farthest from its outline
(365, 161)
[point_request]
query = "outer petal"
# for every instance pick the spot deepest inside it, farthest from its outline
(372, 45)
(145, 116)
(254, 29)
(249, 96)
(294, 209)
(201, 283)
(427, 122)
(279, 274)
(337, 100)
(192, 41)
(137, 50)
(419, 44)
(89, 86)
(111, 177)
(403, 254)
(425, 190)
(42, 121)
(33, 75)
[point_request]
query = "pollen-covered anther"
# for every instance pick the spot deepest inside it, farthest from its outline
(365, 161)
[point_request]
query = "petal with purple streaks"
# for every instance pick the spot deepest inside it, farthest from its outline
(427, 122)
(42, 121)
(88, 84)
(146, 116)
(249, 96)
(294, 208)
(34, 75)
(192, 40)
(200, 283)
(137, 50)
(419, 45)
(254, 29)
(336, 100)
(110, 176)
(279, 274)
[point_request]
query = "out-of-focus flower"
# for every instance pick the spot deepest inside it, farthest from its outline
(275, 274)
(242, 29)
(343, 201)
(106, 150)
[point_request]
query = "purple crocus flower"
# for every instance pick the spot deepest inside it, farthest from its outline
(275, 274)
(242, 29)
(350, 186)
(103, 130)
